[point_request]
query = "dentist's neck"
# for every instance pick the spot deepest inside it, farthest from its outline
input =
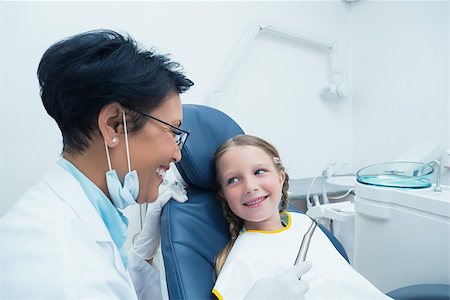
(92, 163)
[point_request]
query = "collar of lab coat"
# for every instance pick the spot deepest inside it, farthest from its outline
(70, 191)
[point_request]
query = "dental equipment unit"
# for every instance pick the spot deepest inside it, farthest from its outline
(400, 215)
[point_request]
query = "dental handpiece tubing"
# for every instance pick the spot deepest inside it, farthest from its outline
(301, 256)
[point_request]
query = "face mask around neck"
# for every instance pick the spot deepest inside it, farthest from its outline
(126, 194)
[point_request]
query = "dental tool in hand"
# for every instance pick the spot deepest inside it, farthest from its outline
(301, 256)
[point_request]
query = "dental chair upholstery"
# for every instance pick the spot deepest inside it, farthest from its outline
(193, 232)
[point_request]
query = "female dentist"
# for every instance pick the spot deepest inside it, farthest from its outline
(119, 111)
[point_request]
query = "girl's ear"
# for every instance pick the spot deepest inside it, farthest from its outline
(220, 193)
(110, 123)
(282, 177)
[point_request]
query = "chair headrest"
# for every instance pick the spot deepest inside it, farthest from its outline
(208, 128)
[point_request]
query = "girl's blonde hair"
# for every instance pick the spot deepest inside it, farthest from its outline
(234, 221)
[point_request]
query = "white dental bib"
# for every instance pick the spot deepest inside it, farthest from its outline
(260, 254)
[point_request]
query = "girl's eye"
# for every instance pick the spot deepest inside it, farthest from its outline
(260, 171)
(232, 180)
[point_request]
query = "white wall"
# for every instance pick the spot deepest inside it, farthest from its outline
(397, 50)
(400, 78)
(201, 36)
(275, 91)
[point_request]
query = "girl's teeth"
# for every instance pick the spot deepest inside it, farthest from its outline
(161, 172)
(259, 200)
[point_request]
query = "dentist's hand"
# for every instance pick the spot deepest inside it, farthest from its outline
(146, 244)
(288, 285)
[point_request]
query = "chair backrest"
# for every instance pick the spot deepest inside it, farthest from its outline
(193, 232)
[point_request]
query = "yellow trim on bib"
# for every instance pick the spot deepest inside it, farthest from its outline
(217, 294)
(274, 231)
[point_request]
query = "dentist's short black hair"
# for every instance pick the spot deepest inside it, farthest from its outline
(82, 73)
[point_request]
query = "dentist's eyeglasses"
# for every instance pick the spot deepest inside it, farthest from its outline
(180, 134)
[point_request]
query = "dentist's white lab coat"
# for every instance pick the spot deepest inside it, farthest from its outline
(54, 245)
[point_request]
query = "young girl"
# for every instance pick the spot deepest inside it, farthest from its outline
(252, 186)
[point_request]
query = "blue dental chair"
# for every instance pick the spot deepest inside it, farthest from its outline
(194, 232)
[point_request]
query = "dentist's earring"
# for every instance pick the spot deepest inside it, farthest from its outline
(114, 140)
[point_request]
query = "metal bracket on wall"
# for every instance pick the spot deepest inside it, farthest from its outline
(264, 26)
